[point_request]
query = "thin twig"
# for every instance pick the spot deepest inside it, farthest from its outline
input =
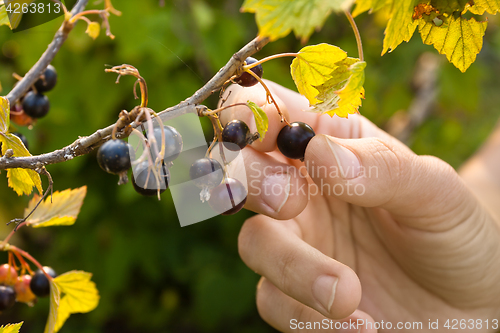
(34, 73)
(20, 222)
(85, 145)
(356, 34)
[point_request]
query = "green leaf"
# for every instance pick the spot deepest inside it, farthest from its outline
(277, 18)
(400, 26)
(4, 115)
(15, 17)
(61, 208)
(21, 181)
(342, 94)
(4, 18)
(55, 297)
(80, 295)
(261, 120)
(458, 38)
(11, 328)
(312, 67)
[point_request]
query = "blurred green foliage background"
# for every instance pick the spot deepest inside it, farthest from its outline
(153, 275)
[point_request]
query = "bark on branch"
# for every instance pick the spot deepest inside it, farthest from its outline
(34, 73)
(85, 145)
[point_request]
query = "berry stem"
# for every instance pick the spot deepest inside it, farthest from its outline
(218, 134)
(28, 256)
(24, 264)
(269, 95)
(216, 111)
(21, 222)
(274, 56)
(131, 70)
(82, 15)
(356, 33)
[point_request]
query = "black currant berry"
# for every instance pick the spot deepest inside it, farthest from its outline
(206, 173)
(22, 138)
(144, 181)
(292, 140)
(114, 156)
(7, 297)
(229, 197)
(173, 143)
(36, 105)
(235, 135)
(47, 81)
(246, 79)
(39, 284)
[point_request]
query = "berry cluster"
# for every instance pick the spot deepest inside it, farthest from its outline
(149, 177)
(226, 195)
(23, 288)
(34, 104)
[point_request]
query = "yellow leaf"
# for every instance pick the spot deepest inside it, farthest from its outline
(371, 5)
(400, 26)
(481, 6)
(21, 180)
(261, 120)
(93, 30)
(312, 67)
(11, 328)
(55, 297)
(4, 18)
(342, 94)
(4, 115)
(80, 295)
(458, 38)
(61, 209)
(277, 18)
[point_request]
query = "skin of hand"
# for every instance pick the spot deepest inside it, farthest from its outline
(363, 230)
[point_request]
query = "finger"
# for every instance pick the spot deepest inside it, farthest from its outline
(275, 189)
(288, 315)
(298, 269)
(256, 94)
(295, 107)
(371, 172)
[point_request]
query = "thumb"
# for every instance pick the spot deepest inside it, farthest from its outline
(374, 172)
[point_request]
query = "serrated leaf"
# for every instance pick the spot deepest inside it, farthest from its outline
(401, 25)
(312, 67)
(482, 6)
(80, 295)
(21, 181)
(61, 209)
(261, 120)
(4, 114)
(458, 38)
(93, 29)
(11, 328)
(277, 18)
(4, 18)
(55, 297)
(342, 94)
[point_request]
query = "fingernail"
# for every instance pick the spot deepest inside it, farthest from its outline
(347, 161)
(275, 190)
(324, 289)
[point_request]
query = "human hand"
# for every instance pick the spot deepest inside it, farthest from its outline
(368, 230)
